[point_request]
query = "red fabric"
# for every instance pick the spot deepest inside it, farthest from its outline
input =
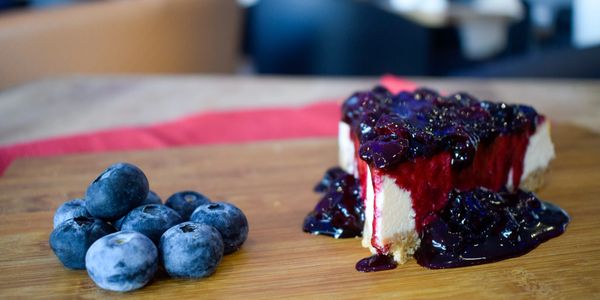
(396, 84)
(315, 120)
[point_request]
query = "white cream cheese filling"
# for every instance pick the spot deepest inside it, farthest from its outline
(346, 149)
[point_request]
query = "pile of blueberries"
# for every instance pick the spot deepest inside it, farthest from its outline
(393, 128)
(122, 233)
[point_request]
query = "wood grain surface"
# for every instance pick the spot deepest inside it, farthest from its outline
(272, 182)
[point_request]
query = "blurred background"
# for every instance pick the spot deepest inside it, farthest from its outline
(475, 38)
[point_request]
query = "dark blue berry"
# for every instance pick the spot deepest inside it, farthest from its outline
(116, 191)
(117, 223)
(152, 220)
(69, 210)
(152, 198)
(191, 250)
(72, 238)
(122, 261)
(228, 219)
(185, 202)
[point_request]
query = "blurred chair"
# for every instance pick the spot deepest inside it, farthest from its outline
(128, 36)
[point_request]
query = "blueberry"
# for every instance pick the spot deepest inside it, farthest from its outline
(384, 152)
(462, 147)
(152, 220)
(72, 238)
(69, 210)
(116, 191)
(118, 222)
(381, 91)
(392, 125)
(185, 202)
(152, 198)
(366, 127)
(349, 109)
(122, 261)
(228, 219)
(191, 250)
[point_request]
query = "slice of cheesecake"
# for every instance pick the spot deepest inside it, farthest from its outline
(409, 151)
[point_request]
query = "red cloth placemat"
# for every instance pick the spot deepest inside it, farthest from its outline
(314, 120)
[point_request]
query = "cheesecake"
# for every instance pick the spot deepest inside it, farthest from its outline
(419, 169)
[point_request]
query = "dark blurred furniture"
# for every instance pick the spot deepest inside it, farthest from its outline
(333, 37)
(577, 63)
(353, 37)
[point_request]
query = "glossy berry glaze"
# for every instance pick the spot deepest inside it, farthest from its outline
(435, 147)
(376, 263)
(340, 212)
(481, 226)
(391, 129)
(474, 227)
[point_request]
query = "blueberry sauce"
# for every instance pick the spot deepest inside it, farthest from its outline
(394, 128)
(481, 226)
(375, 263)
(475, 227)
(339, 213)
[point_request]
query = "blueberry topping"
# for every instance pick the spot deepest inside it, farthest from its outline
(424, 123)
(474, 227)
(339, 213)
(328, 178)
(376, 263)
(385, 151)
(480, 226)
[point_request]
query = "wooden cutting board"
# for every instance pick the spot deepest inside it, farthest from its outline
(272, 182)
